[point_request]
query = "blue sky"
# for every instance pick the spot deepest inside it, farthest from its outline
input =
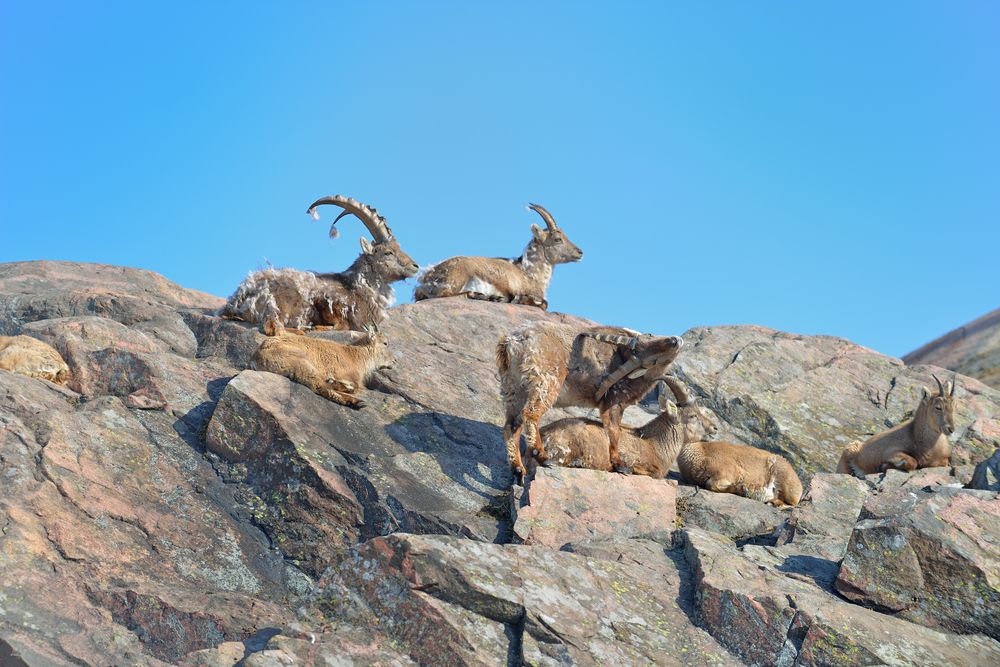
(813, 167)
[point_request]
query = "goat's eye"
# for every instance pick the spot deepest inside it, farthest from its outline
(938, 407)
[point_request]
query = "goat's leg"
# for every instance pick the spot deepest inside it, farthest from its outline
(539, 401)
(343, 398)
(611, 417)
(720, 484)
(901, 461)
(512, 440)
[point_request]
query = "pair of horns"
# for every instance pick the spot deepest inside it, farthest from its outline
(635, 367)
(366, 214)
(550, 222)
(943, 388)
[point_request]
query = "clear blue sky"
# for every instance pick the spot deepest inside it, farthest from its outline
(814, 167)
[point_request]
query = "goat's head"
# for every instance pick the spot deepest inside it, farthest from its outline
(555, 244)
(379, 344)
(649, 355)
(696, 422)
(385, 255)
(939, 409)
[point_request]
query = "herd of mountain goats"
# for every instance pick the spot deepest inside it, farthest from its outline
(540, 365)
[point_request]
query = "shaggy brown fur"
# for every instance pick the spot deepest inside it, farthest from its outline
(523, 280)
(29, 356)
(355, 299)
(545, 364)
(648, 450)
(725, 467)
(921, 442)
(332, 370)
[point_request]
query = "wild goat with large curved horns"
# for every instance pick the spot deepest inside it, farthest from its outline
(544, 364)
(354, 299)
(523, 280)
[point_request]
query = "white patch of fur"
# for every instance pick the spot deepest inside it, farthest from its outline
(480, 286)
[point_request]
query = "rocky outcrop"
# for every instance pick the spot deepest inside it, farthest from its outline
(172, 507)
(806, 397)
(930, 557)
(972, 349)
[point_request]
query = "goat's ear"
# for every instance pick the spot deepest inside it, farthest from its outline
(366, 247)
(926, 393)
(537, 232)
(672, 411)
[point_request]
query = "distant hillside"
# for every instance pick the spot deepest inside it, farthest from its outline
(973, 349)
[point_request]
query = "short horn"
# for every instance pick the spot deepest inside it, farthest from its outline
(366, 214)
(954, 381)
(678, 389)
(550, 222)
(941, 389)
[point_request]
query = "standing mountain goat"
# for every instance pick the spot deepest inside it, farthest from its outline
(725, 467)
(921, 442)
(29, 356)
(355, 299)
(332, 370)
(545, 364)
(523, 280)
(648, 450)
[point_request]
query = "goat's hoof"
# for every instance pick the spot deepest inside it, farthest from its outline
(357, 405)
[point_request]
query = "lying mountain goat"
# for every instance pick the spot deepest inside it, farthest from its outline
(523, 280)
(921, 442)
(725, 467)
(354, 299)
(29, 356)
(331, 369)
(544, 364)
(648, 450)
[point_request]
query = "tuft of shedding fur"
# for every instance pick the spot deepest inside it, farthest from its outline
(920, 442)
(726, 467)
(544, 364)
(523, 280)
(29, 356)
(333, 370)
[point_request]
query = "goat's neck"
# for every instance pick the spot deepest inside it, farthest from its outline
(535, 264)
(362, 273)
(665, 435)
(924, 434)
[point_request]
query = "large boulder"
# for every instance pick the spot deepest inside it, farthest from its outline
(567, 504)
(766, 616)
(930, 556)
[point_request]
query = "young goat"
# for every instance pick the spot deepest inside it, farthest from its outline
(648, 450)
(523, 280)
(745, 471)
(29, 356)
(331, 369)
(354, 299)
(544, 364)
(921, 442)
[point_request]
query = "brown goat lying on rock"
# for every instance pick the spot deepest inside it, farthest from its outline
(725, 467)
(332, 370)
(921, 442)
(29, 356)
(648, 450)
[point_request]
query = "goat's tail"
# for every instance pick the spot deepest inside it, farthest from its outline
(503, 355)
(846, 464)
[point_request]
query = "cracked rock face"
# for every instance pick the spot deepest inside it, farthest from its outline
(172, 507)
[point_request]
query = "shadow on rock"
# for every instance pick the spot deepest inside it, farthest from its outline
(470, 452)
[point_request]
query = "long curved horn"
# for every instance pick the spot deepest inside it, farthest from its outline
(941, 390)
(633, 368)
(678, 389)
(954, 381)
(366, 214)
(550, 222)
(615, 339)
